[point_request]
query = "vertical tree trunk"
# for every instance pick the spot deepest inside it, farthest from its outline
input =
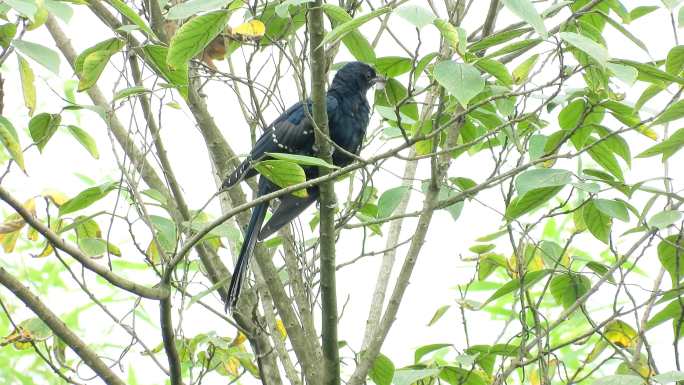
(327, 197)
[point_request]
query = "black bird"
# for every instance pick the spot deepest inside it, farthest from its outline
(293, 133)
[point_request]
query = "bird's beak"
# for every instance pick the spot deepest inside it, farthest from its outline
(379, 82)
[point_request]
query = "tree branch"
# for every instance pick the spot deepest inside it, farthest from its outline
(327, 196)
(87, 262)
(138, 158)
(59, 328)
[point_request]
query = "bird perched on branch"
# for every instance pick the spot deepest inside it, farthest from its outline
(293, 133)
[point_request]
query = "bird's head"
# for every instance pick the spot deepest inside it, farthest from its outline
(356, 77)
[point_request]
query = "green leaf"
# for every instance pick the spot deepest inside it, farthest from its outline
(667, 147)
(94, 247)
(389, 201)
(59, 9)
(411, 376)
(648, 94)
(669, 377)
(624, 31)
(96, 58)
(522, 71)
(178, 77)
(542, 177)
(526, 11)
(36, 328)
(481, 249)
(454, 36)
(86, 227)
(438, 314)
(529, 279)
(24, 7)
(670, 311)
(28, 88)
(626, 74)
(519, 46)
(427, 349)
(523, 204)
(382, 370)
(343, 29)
(671, 256)
(675, 60)
(7, 33)
(85, 139)
(193, 36)
(650, 73)
(600, 269)
(641, 11)
(283, 173)
(603, 155)
(42, 127)
(460, 376)
(283, 9)
(673, 112)
(597, 222)
(497, 38)
(302, 159)
(671, 4)
(459, 79)
(41, 54)
(664, 219)
(416, 15)
(392, 66)
(9, 139)
(569, 117)
(86, 198)
(130, 91)
(612, 208)
(280, 28)
(567, 288)
(619, 379)
(132, 16)
(356, 43)
(165, 232)
(496, 69)
(588, 46)
(193, 7)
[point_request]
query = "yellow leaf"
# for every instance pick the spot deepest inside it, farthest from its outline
(534, 377)
(280, 327)
(648, 131)
(252, 28)
(56, 197)
(9, 241)
(239, 339)
(232, 366)
(621, 334)
(153, 253)
(32, 234)
(11, 225)
(30, 206)
(47, 250)
(27, 85)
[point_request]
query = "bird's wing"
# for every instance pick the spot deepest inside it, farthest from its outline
(291, 133)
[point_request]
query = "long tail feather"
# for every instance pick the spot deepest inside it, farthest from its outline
(290, 207)
(240, 271)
